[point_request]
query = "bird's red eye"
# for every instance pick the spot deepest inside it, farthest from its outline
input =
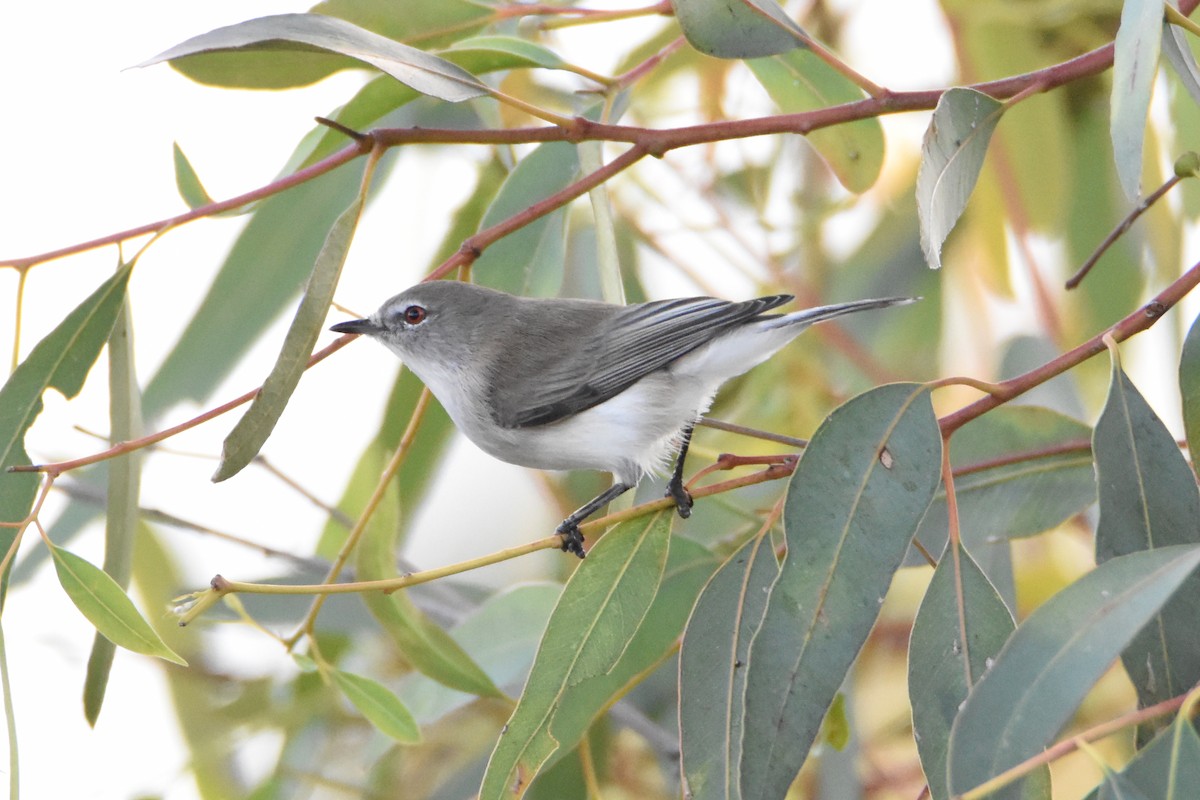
(414, 315)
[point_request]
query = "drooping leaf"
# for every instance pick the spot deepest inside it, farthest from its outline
(425, 644)
(853, 505)
(509, 50)
(1135, 63)
(60, 361)
(252, 430)
(122, 509)
(377, 703)
(736, 28)
(949, 652)
(530, 261)
(951, 157)
(598, 614)
(800, 81)
(1179, 56)
(1149, 500)
(264, 269)
(101, 600)
(1053, 659)
(422, 71)
(521, 612)
(712, 670)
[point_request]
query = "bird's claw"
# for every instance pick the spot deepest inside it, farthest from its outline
(572, 538)
(682, 497)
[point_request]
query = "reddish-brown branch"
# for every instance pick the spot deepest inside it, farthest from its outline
(1135, 323)
(654, 142)
(121, 448)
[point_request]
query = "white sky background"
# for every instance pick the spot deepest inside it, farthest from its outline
(85, 150)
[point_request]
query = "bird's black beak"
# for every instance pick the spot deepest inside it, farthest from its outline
(360, 326)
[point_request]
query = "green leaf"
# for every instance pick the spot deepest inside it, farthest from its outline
(122, 509)
(600, 610)
(61, 361)
(422, 71)
(737, 28)
(1135, 63)
(943, 663)
(425, 644)
(521, 612)
(1189, 386)
(530, 260)
(188, 182)
(1179, 56)
(712, 669)
(251, 432)
(106, 606)
(853, 505)
(1149, 500)
(509, 50)
(268, 262)
(381, 708)
(800, 81)
(1052, 660)
(951, 157)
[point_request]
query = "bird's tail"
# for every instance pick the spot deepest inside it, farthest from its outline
(810, 316)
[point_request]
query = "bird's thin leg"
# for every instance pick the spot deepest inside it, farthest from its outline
(675, 488)
(569, 529)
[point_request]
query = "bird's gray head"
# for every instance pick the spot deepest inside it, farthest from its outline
(437, 320)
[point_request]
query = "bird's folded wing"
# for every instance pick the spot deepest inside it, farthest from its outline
(628, 346)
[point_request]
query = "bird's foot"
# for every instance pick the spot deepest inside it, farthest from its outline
(681, 496)
(572, 538)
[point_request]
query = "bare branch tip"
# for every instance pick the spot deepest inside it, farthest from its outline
(357, 136)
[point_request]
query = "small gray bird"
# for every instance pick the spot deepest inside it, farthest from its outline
(578, 384)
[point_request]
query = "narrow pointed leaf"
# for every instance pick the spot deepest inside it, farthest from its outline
(1148, 500)
(736, 28)
(712, 670)
(269, 260)
(423, 643)
(853, 505)
(600, 610)
(951, 157)
(101, 600)
(187, 181)
(381, 708)
(1179, 56)
(61, 361)
(1054, 658)
(800, 81)
(943, 663)
(1135, 63)
(252, 430)
(122, 509)
(422, 71)
(510, 50)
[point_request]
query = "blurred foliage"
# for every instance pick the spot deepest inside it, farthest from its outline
(773, 603)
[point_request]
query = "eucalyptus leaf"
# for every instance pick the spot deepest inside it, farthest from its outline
(737, 28)
(853, 505)
(102, 601)
(1053, 659)
(597, 616)
(377, 703)
(1135, 63)
(951, 157)
(422, 71)
(250, 434)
